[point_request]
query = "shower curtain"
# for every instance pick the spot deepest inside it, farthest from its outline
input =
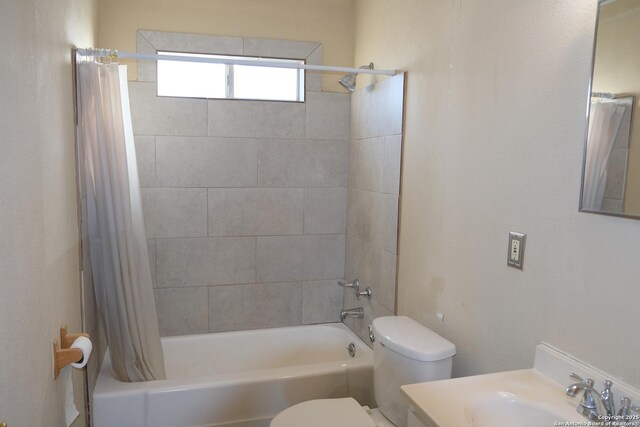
(604, 122)
(117, 238)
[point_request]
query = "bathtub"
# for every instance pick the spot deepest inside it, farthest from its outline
(238, 379)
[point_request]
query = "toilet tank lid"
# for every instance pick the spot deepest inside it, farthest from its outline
(411, 339)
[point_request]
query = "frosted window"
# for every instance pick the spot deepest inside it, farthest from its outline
(266, 83)
(191, 79)
(202, 80)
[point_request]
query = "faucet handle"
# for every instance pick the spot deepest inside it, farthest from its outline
(587, 381)
(607, 398)
(577, 378)
(366, 293)
(625, 406)
(355, 284)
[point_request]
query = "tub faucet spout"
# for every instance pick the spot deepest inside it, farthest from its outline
(358, 313)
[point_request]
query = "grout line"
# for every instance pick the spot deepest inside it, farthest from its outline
(147, 40)
(155, 262)
(208, 309)
(240, 137)
(248, 236)
(155, 159)
(314, 51)
(207, 213)
(304, 199)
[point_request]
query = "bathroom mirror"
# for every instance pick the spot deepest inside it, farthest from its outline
(611, 170)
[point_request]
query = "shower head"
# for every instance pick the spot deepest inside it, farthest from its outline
(349, 81)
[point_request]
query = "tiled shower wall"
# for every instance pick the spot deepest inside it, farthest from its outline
(373, 199)
(244, 201)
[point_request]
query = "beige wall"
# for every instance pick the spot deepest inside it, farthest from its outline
(616, 70)
(329, 22)
(494, 133)
(39, 289)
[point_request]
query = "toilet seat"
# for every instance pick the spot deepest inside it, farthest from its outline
(345, 412)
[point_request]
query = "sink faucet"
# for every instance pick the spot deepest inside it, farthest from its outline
(593, 405)
(358, 313)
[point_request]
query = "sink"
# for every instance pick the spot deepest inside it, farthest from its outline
(506, 409)
(523, 398)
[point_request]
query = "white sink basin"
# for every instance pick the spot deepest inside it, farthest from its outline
(525, 398)
(506, 409)
(522, 398)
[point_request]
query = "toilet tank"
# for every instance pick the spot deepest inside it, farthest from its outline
(405, 352)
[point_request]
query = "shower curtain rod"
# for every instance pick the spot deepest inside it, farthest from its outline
(114, 54)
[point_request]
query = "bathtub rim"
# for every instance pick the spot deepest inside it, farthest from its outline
(108, 385)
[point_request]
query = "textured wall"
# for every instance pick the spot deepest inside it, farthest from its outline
(494, 132)
(245, 201)
(372, 208)
(39, 281)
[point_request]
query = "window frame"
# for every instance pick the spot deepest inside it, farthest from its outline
(229, 77)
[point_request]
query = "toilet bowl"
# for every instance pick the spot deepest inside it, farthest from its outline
(404, 352)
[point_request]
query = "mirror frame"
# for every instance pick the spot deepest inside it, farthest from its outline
(599, 3)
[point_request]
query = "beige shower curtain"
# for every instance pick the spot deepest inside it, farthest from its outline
(117, 238)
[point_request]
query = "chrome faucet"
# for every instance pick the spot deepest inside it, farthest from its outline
(358, 313)
(591, 405)
(598, 406)
(355, 285)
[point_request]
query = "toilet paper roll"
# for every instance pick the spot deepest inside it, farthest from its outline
(84, 345)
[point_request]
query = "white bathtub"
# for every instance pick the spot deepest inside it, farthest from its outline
(238, 379)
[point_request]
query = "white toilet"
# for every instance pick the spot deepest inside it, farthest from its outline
(404, 352)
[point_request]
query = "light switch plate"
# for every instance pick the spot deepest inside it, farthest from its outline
(515, 254)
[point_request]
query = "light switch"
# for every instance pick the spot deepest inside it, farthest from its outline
(515, 257)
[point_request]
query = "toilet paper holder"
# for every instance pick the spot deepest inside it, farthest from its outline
(62, 354)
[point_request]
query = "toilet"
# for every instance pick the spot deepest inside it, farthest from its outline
(404, 352)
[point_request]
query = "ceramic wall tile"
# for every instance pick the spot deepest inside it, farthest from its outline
(321, 301)
(206, 162)
(182, 311)
(256, 119)
(206, 261)
(161, 115)
(328, 115)
(255, 211)
(175, 212)
(293, 258)
(254, 306)
(325, 210)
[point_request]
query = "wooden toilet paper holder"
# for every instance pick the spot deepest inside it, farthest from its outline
(62, 354)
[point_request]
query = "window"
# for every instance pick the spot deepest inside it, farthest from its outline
(208, 80)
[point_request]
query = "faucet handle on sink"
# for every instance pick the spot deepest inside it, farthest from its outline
(577, 377)
(607, 398)
(626, 407)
